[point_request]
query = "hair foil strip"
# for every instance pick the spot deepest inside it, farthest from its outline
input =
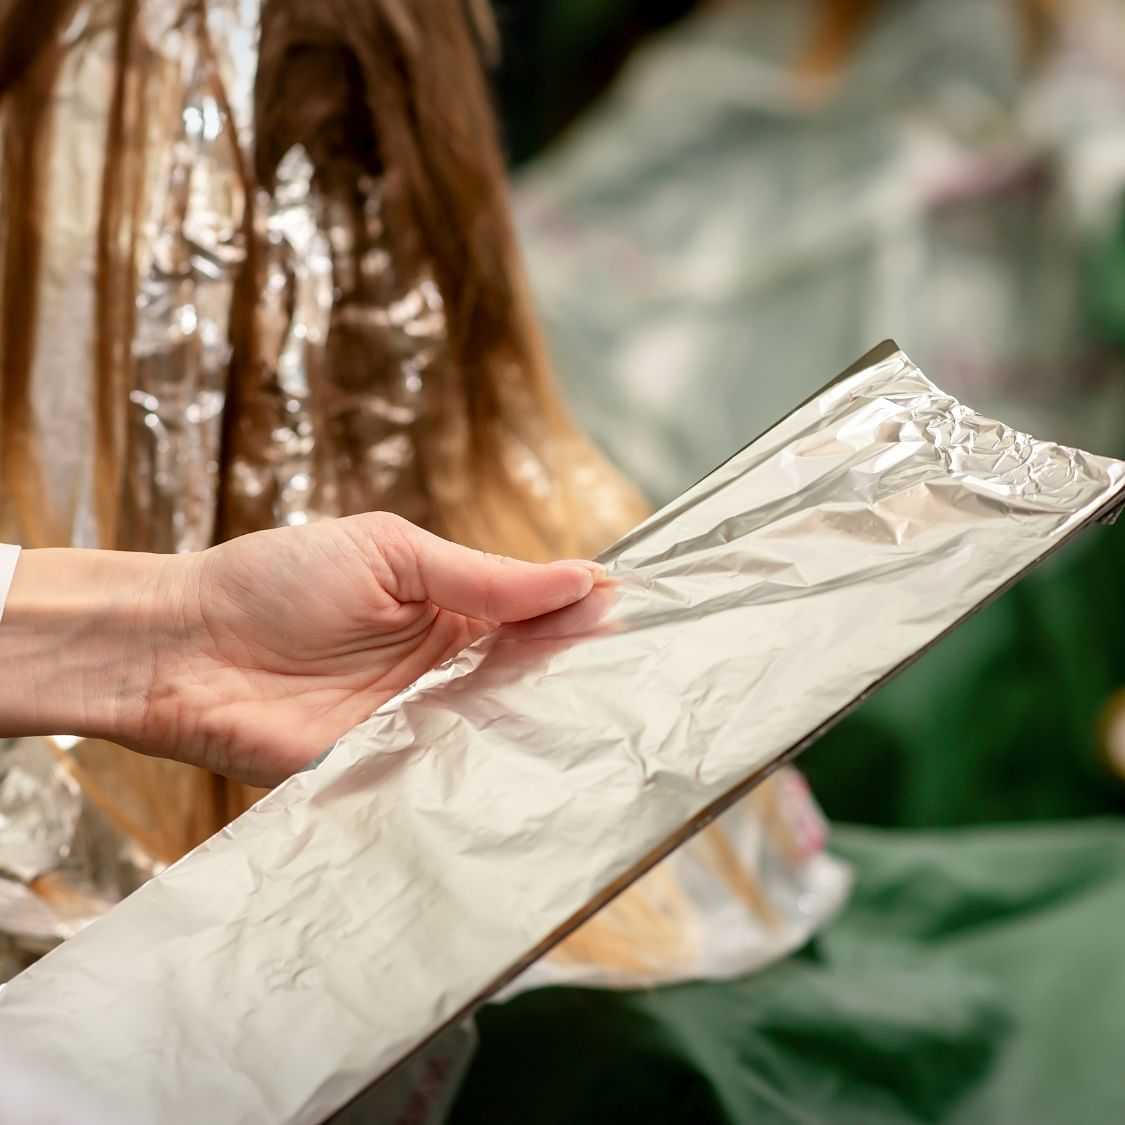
(474, 820)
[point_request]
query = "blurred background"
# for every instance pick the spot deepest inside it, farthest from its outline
(723, 204)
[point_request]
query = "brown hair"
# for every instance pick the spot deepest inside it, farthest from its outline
(395, 89)
(30, 57)
(368, 87)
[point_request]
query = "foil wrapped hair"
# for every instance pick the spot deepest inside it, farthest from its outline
(257, 267)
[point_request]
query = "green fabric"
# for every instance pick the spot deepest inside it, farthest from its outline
(972, 978)
(1105, 285)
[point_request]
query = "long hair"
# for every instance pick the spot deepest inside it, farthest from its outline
(391, 91)
(30, 57)
(369, 88)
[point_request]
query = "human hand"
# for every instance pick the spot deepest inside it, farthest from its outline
(252, 658)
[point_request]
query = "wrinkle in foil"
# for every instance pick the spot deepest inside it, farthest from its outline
(61, 863)
(347, 347)
(461, 831)
(192, 250)
(388, 331)
(350, 387)
(293, 318)
(40, 805)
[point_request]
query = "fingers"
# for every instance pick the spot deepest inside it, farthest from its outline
(486, 587)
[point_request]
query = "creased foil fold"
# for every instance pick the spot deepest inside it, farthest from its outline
(452, 838)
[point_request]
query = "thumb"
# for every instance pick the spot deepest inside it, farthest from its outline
(492, 588)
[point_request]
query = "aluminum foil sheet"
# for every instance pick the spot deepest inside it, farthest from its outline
(40, 805)
(475, 819)
(334, 397)
(191, 246)
(62, 863)
(274, 479)
(728, 903)
(333, 405)
(189, 108)
(388, 331)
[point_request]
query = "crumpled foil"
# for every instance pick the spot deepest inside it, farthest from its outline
(40, 805)
(187, 248)
(191, 247)
(727, 903)
(330, 408)
(483, 813)
(346, 344)
(62, 864)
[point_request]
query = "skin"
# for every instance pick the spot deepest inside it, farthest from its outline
(251, 658)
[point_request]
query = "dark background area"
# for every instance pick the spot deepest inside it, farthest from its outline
(560, 55)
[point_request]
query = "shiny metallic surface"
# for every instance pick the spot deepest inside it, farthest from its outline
(191, 249)
(40, 805)
(62, 863)
(346, 346)
(331, 406)
(65, 328)
(471, 822)
(388, 331)
(273, 481)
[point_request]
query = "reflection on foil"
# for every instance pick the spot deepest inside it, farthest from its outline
(61, 863)
(39, 809)
(293, 321)
(475, 819)
(333, 405)
(387, 332)
(193, 248)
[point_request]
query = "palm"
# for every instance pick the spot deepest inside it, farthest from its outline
(301, 634)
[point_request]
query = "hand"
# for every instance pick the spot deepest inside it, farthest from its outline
(252, 658)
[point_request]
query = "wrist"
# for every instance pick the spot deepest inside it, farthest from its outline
(81, 640)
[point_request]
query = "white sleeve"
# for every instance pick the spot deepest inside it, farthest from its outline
(9, 556)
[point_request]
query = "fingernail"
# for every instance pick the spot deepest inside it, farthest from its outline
(596, 569)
